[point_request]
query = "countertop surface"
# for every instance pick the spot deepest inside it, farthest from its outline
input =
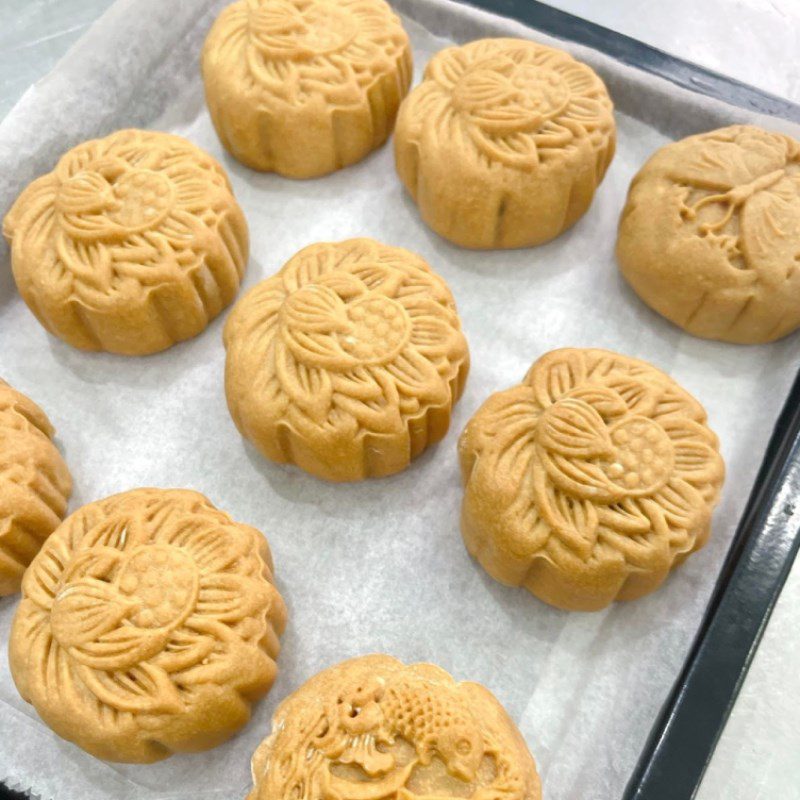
(755, 41)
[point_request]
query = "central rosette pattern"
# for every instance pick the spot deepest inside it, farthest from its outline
(595, 449)
(338, 323)
(109, 199)
(163, 581)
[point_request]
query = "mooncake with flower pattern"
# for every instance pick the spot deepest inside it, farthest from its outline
(35, 484)
(132, 243)
(372, 728)
(346, 363)
(504, 142)
(710, 234)
(305, 87)
(148, 625)
(589, 481)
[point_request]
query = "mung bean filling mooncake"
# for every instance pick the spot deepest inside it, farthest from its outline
(373, 728)
(347, 362)
(305, 87)
(710, 234)
(504, 142)
(148, 625)
(132, 243)
(589, 481)
(35, 484)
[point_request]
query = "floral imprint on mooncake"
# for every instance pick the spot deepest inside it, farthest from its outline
(710, 235)
(35, 484)
(504, 104)
(132, 243)
(149, 623)
(303, 87)
(372, 728)
(347, 362)
(590, 480)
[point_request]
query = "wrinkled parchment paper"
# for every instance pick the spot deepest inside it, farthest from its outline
(378, 566)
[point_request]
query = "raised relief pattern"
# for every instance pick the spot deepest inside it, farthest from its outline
(513, 102)
(351, 337)
(138, 602)
(126, 214)
(740, 189)
(294, 50)
(609, 457)
(393, 732)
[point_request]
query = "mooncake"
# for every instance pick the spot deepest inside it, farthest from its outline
(131, 244)
(148, 625)
(305, 87)
(373, 729)
(710, 234)
(35, 484)
(346, 363)
(504, 142)
(589, 481)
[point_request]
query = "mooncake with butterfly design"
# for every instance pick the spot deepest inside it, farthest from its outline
(148, 625)
(504, 142)
(589, 481)
(35, 484)
(305, 87)
(710, 234)
(132, 243)
(346, 363)
(373, 728)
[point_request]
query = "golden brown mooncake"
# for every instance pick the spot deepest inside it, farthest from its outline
(148, 625)
(132, 243)
(504, 142)
(589, 481)
(305, 87)
(710, 234)
(372, 729)
(346, 363)
(35, 484)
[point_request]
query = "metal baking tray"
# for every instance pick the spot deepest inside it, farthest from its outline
(683, 737)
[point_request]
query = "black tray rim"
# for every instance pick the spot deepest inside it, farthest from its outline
(762, 551)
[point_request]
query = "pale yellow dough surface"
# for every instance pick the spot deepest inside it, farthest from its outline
(589, 481)
(710, 234)
(504, 142)
(35, 484)
(148, 625)
(132, 243)
(347, 362)
(372, 728)
(305, 87)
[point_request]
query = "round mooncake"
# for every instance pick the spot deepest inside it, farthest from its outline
(710, 235)
(346, 363)
(305, 87)
(133, 243)
(35, 484)
(148, 625)
(372, 728)
(589, 481)
(504, 142)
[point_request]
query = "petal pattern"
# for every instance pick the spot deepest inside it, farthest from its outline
(141, 607)
(364, 340)
(612, 457)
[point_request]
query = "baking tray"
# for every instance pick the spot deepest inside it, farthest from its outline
(766, 540)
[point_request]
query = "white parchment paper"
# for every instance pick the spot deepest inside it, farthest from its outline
(377, 566)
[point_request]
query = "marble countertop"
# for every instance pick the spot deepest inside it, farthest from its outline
(752, 40)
